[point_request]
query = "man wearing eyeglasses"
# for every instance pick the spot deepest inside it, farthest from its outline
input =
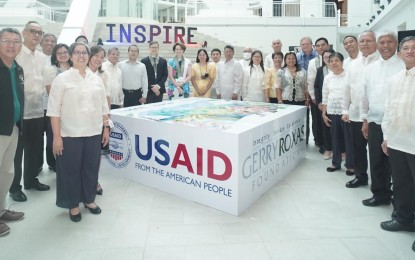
(31, 141)
(11, 111)
(157, 73)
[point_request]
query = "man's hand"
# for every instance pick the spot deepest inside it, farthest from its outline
(142, 100)
(365, 129)
(155, 89)
(385, 147)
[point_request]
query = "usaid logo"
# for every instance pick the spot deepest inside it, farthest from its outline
(120, 147)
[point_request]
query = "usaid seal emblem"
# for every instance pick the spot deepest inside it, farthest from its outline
(120, 147)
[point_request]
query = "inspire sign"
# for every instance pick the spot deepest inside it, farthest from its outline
(128, 33)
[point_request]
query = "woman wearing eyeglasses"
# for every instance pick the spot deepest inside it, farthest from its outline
(60, 62)
(203, 75)
(78, 109)
(253, 82)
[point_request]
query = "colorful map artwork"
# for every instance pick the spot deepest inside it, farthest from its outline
(203, 112)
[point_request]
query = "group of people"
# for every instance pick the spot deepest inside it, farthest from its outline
(67, 92)
(62, 91)
(365, 101)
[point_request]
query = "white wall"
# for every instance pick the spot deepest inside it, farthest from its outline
(394, 15)
(359, 12)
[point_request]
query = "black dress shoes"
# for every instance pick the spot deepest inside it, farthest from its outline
(100, 191)
(18, 196)
(321, 149)
(373, 202)
(413, 246)
(75, 218)
(349, 173)
(332, 169)
(96, 210)
(394, 225)
(38, 186)
(356, 183)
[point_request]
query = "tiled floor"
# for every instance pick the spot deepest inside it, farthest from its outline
(308, 215)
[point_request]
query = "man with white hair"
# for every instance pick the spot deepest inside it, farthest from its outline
(372, 109)
(352, 101)
(276, 46)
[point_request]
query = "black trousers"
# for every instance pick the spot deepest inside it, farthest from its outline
(316, 126)
(341, 135)
(77, 171)
(31, 144)
(403, 174)
(152, 98)
(380, 171)
(360, 151)
(132, 97)
(328, 146)
(50, 158)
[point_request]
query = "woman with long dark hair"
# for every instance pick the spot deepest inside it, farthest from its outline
(95, 65)
(253, 88)
(60, 62)
(291, 82)
(203, 74)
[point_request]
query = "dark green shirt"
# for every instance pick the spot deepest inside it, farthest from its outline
(16, 103)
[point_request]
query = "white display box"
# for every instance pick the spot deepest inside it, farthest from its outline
(222, 154)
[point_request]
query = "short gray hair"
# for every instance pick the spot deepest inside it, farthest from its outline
(112, 50)
(29, 22)
(10, 30)
(406, 39)
(366, 31)
(308, 38)
(49, 35)
(386, 33)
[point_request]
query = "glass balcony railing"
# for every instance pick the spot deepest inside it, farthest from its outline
(31, 8)
(225, 8)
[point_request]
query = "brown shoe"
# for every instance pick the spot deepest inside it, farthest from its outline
(10, 216)
(4, 229)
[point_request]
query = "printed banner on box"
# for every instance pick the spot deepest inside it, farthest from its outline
(213, 152)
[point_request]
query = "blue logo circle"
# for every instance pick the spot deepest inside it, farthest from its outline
(120, 147)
